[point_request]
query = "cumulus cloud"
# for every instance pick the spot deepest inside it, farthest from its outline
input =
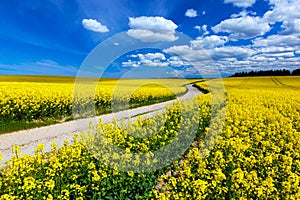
(209, 42)
(155, 60)
(187, 72)
(241, 3)
(202, 29)
(243, 13)
(285, 12)
(210, 49)
(177, 61)
(197, 27)
(159, 23)
(191, 13)
(152, 29)
(260, 58)
(282, 54)
(152, 56)
(188, 53)
(151, 36)
(131, 63)
(264, 50)
(94, 25)
(149, 59)
(291, 27)
(230, 59)
(243, 27)
(231, 52)
(275, 49)
(216, 54)
(179, 50)
(277, 40)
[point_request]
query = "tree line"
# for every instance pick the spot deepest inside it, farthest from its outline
(280, 72)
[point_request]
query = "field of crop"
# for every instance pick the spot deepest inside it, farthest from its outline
(257, 155)
(38, 99)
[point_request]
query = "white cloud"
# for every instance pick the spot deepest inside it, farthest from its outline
(187, 72)
(179, 50)
(283, 10)
(176, 61)
(203, 12)
(191, 13)
(231, 52)
(149, 59)
(157, 64)
(243, 13)
(159, 23)
(176, 73)
(188, 53)
(260, 58)
(152, 56)
(291, 27)
(269, 52)
(152, 29)
(153, 59)
(277, 40)
(275, 49)
(204, 30)
(230, 59)
(286, 12)
(241, 3)
(150, 36)
(131, 63)
(94, 25)
(243, 27)
(197, 27)
(209, 42)
(214, 50)
(226, 58)
(283, 54)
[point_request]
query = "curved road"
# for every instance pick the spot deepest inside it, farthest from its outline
(28, 139)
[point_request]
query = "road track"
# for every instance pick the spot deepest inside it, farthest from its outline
(29, 139)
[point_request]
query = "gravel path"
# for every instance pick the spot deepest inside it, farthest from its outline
(28, 139)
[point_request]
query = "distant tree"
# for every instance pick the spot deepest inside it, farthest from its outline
(281, 72)
(296, 72)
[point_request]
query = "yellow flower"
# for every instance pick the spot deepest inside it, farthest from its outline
(130, 173)
(49, 197)
(50, 184)
(64, 194)
(29, 184)
(96, 176)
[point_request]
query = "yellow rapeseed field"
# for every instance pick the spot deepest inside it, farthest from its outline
(257, 155)
(37, 98)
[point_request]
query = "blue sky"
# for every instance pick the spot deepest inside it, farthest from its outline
(54, 37)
